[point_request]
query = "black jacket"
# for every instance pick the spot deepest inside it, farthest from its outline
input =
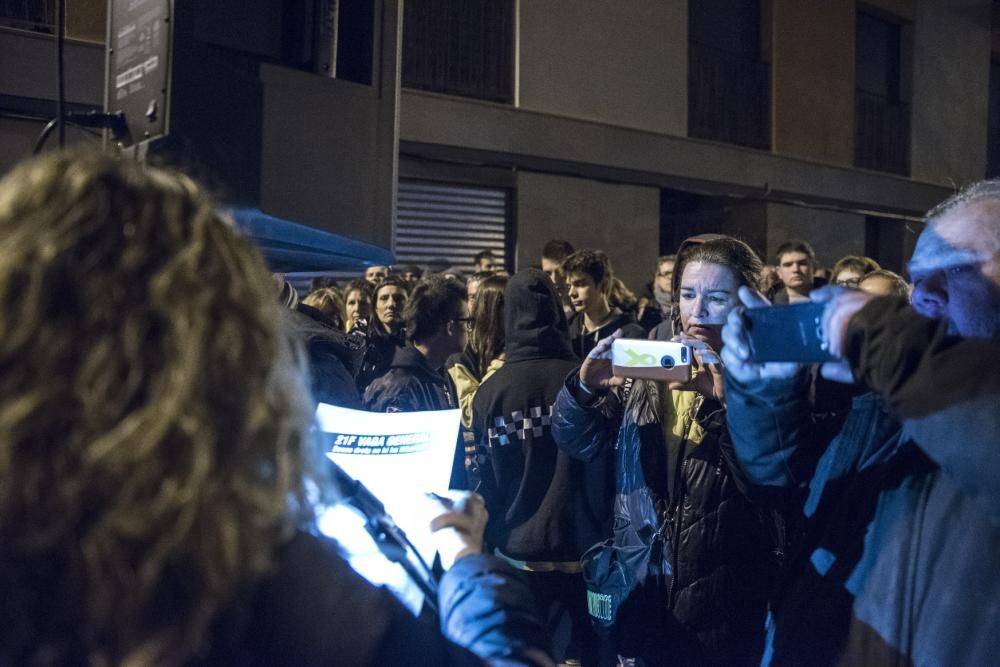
(544, 506)
(410, 385)
(334, 357)
(315, 610)
(723, 545)
(380, 348)
(583, 342)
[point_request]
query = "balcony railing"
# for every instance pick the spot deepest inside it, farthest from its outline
(882, 134)
(729, 97)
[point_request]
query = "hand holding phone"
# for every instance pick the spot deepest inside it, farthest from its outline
(666, 361)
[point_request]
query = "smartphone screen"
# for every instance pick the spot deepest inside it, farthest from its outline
(787, 333)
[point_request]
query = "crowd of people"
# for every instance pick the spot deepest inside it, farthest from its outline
(159, 482)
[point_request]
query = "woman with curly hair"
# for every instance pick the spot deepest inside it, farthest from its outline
(156, 478)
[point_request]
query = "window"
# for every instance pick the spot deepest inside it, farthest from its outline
(39, 15)
(460, 48)
(729, 96)
(450, 222)
(882, 115)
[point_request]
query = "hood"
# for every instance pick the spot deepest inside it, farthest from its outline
(534, 321)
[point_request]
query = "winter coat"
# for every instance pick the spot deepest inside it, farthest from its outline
(315, 610)
(722, 545)
(897, 556)
(380, 349)
(334, 357)
(544, 506)
(410, 385)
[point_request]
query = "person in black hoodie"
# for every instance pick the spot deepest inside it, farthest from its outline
(589, 278)
(545, 508)
(435, 319)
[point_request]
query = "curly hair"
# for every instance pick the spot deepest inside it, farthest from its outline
(153, 415)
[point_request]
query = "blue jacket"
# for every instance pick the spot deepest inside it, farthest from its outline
(896, 559)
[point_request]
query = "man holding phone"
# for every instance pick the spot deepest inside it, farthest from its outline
(900, 536)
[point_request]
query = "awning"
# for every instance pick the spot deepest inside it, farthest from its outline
(291, 247)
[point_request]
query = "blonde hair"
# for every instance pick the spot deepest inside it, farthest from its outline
(153, 419)
(328, 301)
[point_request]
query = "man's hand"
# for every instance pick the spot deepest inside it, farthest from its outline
(707, 378)
(458, 530)
(841, 305)
(596, 373)
(736, 346)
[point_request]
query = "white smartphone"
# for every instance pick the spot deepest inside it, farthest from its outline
(651, 359)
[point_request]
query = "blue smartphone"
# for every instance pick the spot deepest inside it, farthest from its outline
(787, 333)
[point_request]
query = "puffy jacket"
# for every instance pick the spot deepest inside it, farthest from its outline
(410, 385)
(723, 546)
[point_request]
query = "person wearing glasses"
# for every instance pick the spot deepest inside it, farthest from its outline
(848, 271)
(435, 320)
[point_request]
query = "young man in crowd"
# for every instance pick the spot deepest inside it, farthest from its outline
(485, 262)
(553, 254)
(796, 263)
(545, 508)
(385, 333)
(588, 276)
(435, 317)
(896, 559)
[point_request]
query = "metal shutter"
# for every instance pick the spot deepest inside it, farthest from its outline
(451, 222)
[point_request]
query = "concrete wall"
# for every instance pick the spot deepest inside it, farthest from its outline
(832, 234)
(596, 60)
(27, 70)
(622, 220)
(813, 79)
(950, 90)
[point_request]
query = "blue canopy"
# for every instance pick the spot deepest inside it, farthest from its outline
(290, 246)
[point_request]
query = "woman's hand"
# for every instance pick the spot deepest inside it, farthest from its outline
(458, 530)
(596, 373)
(706, 372)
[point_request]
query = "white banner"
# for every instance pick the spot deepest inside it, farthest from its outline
(400, 457)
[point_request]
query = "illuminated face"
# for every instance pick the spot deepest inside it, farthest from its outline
(955, 270)
(796, 270)
(584, 293)
(358, 307)
(707, 293)
(664, 277)
(389, 306)
(376, 274)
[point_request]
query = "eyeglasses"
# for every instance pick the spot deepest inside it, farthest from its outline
(467, 321)
(849, 282)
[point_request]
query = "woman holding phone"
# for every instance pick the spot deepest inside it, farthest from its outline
(676, 473)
